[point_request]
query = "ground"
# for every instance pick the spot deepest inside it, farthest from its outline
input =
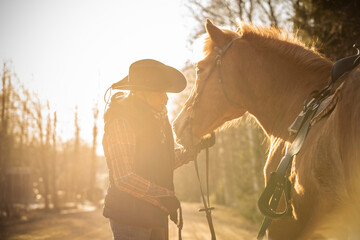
(91, 225)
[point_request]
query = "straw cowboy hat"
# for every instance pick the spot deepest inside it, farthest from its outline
(152, 75)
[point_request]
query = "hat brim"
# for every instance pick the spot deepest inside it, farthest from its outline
(172, 81)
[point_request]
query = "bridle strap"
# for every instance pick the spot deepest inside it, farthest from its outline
(221, 52)
(227, 46)
(235, 104)
(220, 77)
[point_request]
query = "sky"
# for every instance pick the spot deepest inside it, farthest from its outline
(70, 51)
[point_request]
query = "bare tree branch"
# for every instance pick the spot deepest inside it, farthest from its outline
(250, 11)
(272, 14)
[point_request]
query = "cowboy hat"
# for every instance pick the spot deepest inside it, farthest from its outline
(152, 75)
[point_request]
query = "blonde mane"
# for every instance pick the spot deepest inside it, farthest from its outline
(283, 42)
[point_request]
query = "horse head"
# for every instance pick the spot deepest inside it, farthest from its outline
(217, 95)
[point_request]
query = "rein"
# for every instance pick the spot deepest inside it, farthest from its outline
(206, 200)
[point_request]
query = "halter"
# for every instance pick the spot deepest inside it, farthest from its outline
(217, 64)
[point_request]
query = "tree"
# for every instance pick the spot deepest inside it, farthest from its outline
(228, 13)
(30, 166)
(76, 158)
(331, 25)
(4, 137)
(53, 165)
(43, 149)
(93, 155)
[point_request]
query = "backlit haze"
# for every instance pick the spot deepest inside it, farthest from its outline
(71, 51)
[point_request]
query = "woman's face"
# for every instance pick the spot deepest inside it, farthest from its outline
(157, 100)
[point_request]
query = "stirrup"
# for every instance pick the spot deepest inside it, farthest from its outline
(270, 197)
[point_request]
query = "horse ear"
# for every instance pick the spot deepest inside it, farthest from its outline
(215, 33)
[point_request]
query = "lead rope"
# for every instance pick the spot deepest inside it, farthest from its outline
(206, 201)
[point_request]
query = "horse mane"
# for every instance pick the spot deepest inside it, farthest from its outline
(282, 41)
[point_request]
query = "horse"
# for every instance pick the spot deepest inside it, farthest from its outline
(268, 72)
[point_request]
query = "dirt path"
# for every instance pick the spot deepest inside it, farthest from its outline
(91, 226)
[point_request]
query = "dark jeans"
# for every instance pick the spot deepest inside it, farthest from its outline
(126, 232)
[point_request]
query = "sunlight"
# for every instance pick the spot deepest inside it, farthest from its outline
(70, 52)
(198, 49)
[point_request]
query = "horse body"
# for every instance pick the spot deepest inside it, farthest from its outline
(270, 75)
(325, 176)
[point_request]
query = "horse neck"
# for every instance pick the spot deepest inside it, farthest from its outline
(282, 84)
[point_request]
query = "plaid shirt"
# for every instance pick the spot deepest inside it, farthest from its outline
(121, 141)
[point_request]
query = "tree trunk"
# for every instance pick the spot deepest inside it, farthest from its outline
(4, 153)
(45, 177)
(252, 158)
(75, 174)
(43, 155)
(93, 158)
(53, 167)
